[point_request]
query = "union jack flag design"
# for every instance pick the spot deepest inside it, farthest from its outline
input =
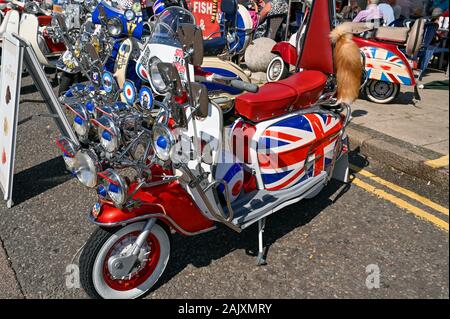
(384, 65)
(285, 147)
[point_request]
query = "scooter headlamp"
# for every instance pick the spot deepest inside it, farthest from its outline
(115, 186)
(130, 15)
(157, 81)
(163, 142)
(69, 150)
(108, 134)
(114, 27)
(81, 123)
(86, 167)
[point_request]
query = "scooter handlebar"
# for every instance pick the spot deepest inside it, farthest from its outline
(244, 86)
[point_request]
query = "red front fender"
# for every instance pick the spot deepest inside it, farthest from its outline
(168, 202)
(287, 52)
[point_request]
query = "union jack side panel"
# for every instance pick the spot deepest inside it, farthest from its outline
(384, 65)
(297, 148)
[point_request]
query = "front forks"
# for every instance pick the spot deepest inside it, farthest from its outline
(121, 266)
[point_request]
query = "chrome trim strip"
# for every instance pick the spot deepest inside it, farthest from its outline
(148, 216)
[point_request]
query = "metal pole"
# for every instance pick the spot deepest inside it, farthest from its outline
(288, 19)
(46, 90)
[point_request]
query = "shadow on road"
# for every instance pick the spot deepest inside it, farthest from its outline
(202, 250)
(404, 98)
(38, 179)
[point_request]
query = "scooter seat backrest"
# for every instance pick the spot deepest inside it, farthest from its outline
(315, 50)
(399, 35)
(415, 38)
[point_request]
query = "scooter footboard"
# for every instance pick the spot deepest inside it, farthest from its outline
(170, 203)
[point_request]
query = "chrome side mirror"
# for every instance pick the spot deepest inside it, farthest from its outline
(92, 53)
(191, 37)
(61, 22)
(171, 78)
(200, 99)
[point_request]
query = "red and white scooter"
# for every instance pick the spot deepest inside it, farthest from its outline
(387, 67)
(286, 145)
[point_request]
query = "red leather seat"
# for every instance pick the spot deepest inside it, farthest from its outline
(277, 98)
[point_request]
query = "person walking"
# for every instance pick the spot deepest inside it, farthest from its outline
(372, 12)
(387, 12)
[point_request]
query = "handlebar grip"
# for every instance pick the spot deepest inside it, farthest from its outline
(244, 86)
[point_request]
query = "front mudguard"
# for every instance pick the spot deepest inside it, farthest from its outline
(287, 52)
(169, 203)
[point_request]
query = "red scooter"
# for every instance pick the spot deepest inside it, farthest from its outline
(386, 66)
(286, 144)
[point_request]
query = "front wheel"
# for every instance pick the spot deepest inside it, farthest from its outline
(381, 91)
(277, 70)
(103, 244)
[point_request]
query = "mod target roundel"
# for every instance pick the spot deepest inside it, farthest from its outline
(141, 72)
(129, 91)
(107, 82)
(146, 98)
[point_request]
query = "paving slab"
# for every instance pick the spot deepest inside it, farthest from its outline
(425, 123)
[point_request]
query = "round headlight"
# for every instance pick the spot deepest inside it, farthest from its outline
(163, 141)
(129, 15)
(114, 27)
(157, 80)
(116, 187)
(86, 167)
(108, 134)
(69, 150)
(81, 123)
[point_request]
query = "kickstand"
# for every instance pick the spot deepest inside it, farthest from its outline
(261, 260)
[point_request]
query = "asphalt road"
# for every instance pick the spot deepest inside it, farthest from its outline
(319, 248)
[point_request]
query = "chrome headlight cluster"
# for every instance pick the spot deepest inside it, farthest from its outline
(114, 187)
(108, 134)
(163, 142)
(157, 81)
(81, 121)
(69, 150)
(86, 168)
(82, 163)
(114, 27)
(130, 15)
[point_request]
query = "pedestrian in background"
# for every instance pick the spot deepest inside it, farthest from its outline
(350, 11)
(371, 13)
(387, 12)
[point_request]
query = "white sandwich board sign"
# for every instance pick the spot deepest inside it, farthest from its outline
(10, 79)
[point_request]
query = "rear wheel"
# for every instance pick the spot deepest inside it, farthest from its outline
(277, 70)
(381, 91)
(104, 244)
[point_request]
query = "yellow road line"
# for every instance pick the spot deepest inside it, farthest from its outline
(439, 162)
(401, 190)
(401, 203)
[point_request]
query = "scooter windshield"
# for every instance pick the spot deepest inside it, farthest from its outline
(167, 23)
